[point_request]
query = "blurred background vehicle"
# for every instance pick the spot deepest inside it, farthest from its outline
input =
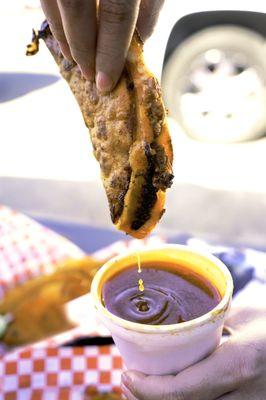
(215, 73)
(213, 67)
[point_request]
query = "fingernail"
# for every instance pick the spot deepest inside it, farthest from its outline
(88, 74)
(126, 392)
(123, 388)
(126, 379)
(103, 82)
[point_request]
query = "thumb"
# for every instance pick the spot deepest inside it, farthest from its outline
(145, 387)
(240, 317)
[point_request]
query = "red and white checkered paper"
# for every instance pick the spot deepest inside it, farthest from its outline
(45, 370)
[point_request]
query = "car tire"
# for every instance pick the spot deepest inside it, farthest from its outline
(238, 113)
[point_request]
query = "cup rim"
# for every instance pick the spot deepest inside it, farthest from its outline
(181, 327)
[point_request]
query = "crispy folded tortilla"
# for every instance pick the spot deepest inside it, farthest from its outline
(129, 135)
(36, 308)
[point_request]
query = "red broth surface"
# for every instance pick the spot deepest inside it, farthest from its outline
(171, 294)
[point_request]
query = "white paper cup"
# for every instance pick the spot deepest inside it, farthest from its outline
(166, 349)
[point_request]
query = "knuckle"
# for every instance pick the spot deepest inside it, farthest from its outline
(180, 395)
(172, 391)
(81, 56)
(248, 363)
(175, 392)
(72, 4)
(57, 30)
(107, 53)
(255, 361)
(78, 51)
(117, 11)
